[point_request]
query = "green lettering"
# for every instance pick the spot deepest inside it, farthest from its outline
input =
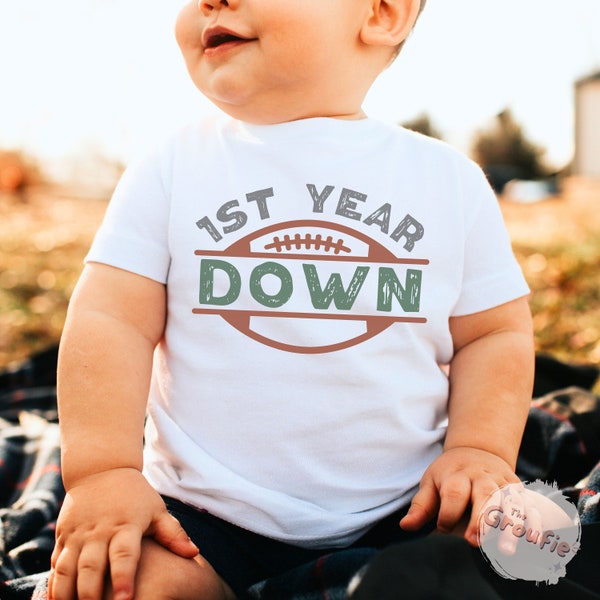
(390, 287)
(207, 282)
(285, 291)
(334, 290)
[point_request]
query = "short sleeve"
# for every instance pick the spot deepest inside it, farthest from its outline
(491, 273)
(134, 233)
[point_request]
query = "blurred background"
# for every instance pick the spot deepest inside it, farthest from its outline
(86, 85)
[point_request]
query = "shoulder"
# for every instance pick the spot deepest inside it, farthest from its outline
(186, 144)
(435, 159)
(183, 137)
(433, 148)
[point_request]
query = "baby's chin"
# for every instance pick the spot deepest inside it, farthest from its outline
(260, 114)
(257, 113)
(271, 105)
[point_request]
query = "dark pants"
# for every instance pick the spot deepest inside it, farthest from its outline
(243, 558)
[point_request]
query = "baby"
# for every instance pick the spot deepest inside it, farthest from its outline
(297, 327)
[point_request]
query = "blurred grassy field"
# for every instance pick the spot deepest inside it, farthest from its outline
(44, 236)
(557, 243)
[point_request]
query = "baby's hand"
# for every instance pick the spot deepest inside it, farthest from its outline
(99, 530)
(458, 478)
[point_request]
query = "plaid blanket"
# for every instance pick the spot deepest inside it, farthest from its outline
(31, 489)
(561, 443)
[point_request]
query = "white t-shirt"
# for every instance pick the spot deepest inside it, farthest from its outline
(311, 269)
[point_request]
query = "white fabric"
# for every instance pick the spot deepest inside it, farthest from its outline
(301, 428)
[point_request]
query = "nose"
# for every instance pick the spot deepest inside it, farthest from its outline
(207, 6)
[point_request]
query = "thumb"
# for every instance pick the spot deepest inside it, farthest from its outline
(168, 532)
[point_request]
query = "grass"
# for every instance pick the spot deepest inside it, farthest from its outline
(44, 236)
(46, 231)
(557, 243)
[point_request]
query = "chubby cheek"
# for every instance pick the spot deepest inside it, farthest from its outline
(292, 45)
(188, 29)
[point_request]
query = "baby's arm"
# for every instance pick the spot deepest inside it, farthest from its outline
(491, 378)
(115, 320)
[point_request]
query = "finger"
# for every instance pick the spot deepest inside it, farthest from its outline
(62, 584)
(423, 507)
(533, 517)
(91, 570)
(168, 532)
(513, 507)
(53, 558)
(481, 494)
(455, 495)
(123, 557)
(58, 548)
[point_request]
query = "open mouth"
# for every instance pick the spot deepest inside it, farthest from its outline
(218, 39)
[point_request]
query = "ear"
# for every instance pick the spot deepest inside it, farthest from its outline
(389, 22)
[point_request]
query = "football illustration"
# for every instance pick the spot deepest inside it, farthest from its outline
(309, 286)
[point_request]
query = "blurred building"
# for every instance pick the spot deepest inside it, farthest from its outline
(587, 126)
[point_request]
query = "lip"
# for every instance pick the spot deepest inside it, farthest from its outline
(217, 39)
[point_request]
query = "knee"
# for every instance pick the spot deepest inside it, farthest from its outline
(163, 575)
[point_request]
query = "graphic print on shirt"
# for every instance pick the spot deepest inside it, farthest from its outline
(311, 286)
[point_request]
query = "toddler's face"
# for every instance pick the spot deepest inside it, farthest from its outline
(268, 61)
